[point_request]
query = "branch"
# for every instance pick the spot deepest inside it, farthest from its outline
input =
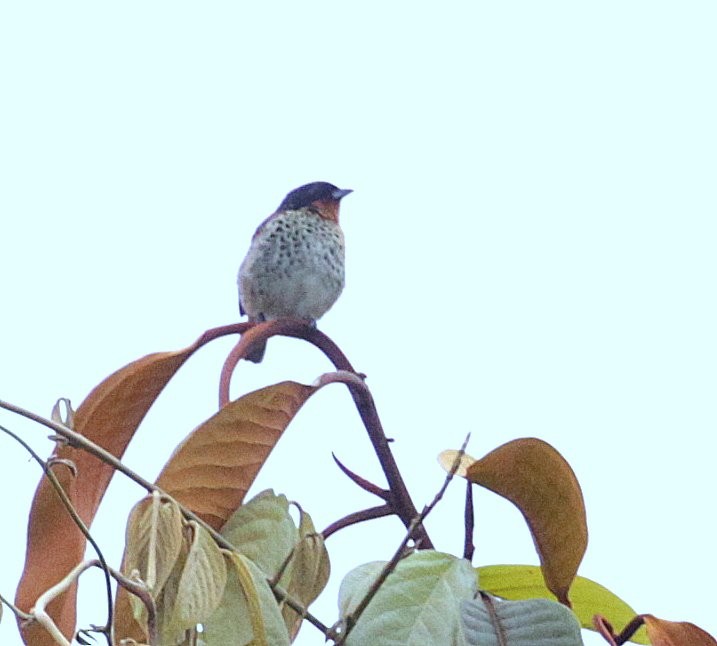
(400, 499)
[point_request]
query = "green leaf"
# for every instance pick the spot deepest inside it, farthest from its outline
(263, 530)
(538, 622)
(248, 612)
(418, 604)
(588, 597)
(307, 573)
(201, 584)
(153, 542)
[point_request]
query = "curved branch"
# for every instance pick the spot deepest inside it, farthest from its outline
(400, 499)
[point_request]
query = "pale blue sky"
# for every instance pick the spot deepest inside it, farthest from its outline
(530, 250)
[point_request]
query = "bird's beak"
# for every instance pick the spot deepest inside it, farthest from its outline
(341, 192)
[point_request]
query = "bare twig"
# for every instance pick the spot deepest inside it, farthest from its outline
(40, 614)
(78, 440)
(494, 620)
(23, 616)
(384, 494)
(283, 595)
(357, 517)
(469, 523)
(140, 590)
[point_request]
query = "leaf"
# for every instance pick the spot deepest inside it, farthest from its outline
(447, 458)
(537, 622)
(152, 545)
(166, 601)
(309, 572)
(248, 612)
(537, 479)
(263, 530)
(518, 582)
(201, 585)
(418, 604)
(109, 416)
(211, 471)
(670, 633)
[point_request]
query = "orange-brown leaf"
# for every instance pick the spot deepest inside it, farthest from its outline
(109, 416)
(537, 479)
(671, 633)
(211, 471)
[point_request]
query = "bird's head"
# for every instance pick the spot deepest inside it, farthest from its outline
(321, 196)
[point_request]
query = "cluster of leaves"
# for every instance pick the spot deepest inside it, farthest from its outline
(192, 580)
(203, 566)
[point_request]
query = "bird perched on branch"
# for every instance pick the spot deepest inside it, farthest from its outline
(295, 264)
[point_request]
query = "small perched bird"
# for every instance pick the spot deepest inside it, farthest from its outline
(295, 264)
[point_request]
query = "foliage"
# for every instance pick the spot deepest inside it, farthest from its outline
(204, 566)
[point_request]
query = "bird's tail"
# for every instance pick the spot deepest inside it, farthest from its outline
(256, 352)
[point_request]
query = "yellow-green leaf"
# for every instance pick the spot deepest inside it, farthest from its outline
(518, 582)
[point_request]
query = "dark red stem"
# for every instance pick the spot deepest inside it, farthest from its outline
(357, 517)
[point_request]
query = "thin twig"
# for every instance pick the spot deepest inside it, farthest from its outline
(20, 614)
(357, 517)
(283, 595)
(494, 619)
(40, 614)
(469, 523)
(78, 440)
(140, 590)
(366, 485)
(107, 631)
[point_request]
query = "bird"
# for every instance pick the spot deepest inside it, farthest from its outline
(294, 267)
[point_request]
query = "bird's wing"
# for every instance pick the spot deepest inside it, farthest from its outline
(261, 226)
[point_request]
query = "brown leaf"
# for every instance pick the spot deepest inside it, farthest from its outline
(671, 633)
(109, 416)
(211, 471)
(537, 479)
